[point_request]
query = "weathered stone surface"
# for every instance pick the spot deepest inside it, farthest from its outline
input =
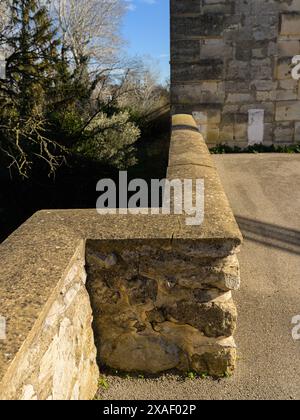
(141, 269)
(58, 360)
(198, 26)
(142, 325)
(290, 24)
(158, 308)
(288, 111)
(248, 52)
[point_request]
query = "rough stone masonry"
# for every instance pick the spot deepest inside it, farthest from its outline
(168, 305)
(231, 64)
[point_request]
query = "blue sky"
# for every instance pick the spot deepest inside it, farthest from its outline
(147, 30)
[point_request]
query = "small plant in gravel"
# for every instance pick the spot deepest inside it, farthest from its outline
(227, 375)
(193, 375)
(102, 383)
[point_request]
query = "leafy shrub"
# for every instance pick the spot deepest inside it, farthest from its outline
(110, 140)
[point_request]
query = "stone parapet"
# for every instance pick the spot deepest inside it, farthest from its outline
(162, 306)
(158, 291)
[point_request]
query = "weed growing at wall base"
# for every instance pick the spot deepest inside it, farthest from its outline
(178, 197)
(257, 148)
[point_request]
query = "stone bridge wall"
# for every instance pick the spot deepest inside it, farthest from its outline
(157, 290)
(231, 64)
(168, 305)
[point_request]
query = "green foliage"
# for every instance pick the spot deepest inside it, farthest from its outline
(51, 109)
(257, 148)
(102, 383)
(27, 88)
(193, 375)
(110, 139)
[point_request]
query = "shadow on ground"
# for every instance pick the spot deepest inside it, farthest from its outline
(270, 235)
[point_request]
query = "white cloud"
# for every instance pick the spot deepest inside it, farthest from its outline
(132, 4)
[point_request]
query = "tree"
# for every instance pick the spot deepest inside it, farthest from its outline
(110, 139)
(31, 71)
(61, 94)
(90, 28)
(4, 26)
(142, 92)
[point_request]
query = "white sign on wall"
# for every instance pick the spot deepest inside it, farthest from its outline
(256, 126)
(2, 328)
(2, 65)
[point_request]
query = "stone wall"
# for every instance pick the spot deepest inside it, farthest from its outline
(158, 306)
(157, 289)
(57, 360)
(231, 64)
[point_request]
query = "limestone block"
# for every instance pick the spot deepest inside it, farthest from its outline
(217, 6)
(212, 48)
(286, 95)
(227, 133)
(288, 84)
(297, 131)
(185, 51)
(261, 69)
(182, 6)
(290, 6)
(264, 96)
(192, 27)
(284, 69)
(213, 135)
(288, 111)
(264, 8)
(288, 48)
(239, 98)
(263, 85)
(290, 24)
(202, 70)
(284, 132)
(201, 92)
(213, 319)
(240, 131)
(258, 53)
(238, 70)
(233, 86)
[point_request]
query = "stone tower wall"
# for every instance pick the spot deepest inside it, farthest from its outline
(232, 63)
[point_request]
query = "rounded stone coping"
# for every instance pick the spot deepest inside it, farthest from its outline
(189, 158)
(185, 121)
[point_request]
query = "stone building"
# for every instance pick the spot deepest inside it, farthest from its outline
(234, 67)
